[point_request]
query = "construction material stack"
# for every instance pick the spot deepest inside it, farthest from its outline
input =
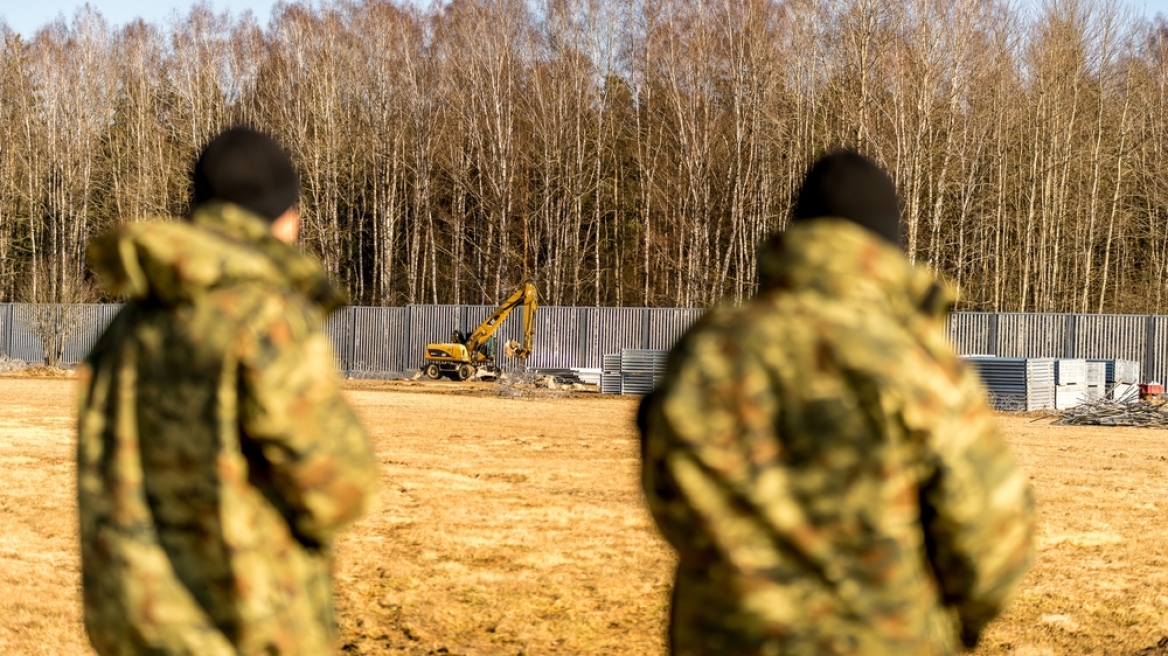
(633, 371)
(641, 370)
(1070, 383)
(1121, 378)
(1096, 380)
(1017, 384)
(610, 376)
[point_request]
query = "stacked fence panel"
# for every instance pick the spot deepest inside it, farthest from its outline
(1017, 384)
(610, 377)
(641, 370)
(1120, 378)
(1040, 384)
(1070, 383)
(1116, 370)
(1096, 380)
(1125, 371)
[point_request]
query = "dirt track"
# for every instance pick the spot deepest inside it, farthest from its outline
(511, 526)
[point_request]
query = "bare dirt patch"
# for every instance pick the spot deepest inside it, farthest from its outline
(1100, 583)
(512, 525)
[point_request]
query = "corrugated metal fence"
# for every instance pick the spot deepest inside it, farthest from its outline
(378, 342)
(1139, 337)
(373, 342)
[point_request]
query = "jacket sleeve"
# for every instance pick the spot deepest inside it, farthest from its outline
(662, 496)
(684, 385)
(306, 449)
(977, 508)
(698, 447)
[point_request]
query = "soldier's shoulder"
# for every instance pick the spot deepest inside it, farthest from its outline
(264, 307)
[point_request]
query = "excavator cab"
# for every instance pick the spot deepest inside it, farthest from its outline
(474, 355)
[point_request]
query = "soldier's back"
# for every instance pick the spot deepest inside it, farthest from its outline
(795, 472)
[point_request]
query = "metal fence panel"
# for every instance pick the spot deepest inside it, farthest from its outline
(339, 328)
(1031, 335)
(972, 333)
(667, 325)
(613, 329)
(1111, 336)
(426, 324)
(7, 317)
(377, 342)
(23, 343)
(1154, 363)
(94, 319)
(81, 324)
(558, 342)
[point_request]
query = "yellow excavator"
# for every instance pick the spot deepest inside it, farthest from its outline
(474, 356)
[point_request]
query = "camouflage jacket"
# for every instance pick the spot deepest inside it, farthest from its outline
(827, 469)
(216, 456)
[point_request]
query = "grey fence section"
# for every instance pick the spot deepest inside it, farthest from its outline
(1143, 338)
(81, 325)
(378, 342)
(369, 342)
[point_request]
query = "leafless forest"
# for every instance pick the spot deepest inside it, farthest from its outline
(615, 152)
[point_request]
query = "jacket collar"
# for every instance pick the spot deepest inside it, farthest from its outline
(303, 271)
(232, 221)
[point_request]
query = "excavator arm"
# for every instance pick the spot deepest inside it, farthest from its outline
(524, 296)
(461, 359)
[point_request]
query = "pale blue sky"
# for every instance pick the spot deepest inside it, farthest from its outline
(26, 16)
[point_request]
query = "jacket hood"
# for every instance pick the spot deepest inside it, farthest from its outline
(840, 259)
(222, 245)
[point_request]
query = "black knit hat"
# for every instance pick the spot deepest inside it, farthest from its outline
(847, 185)
(248, 168)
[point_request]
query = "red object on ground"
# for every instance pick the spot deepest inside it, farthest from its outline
(1147, 391)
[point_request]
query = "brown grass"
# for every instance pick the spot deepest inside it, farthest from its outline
(512, 526)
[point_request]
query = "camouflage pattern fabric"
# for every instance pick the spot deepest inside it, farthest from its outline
(216, 456)
(827, 469)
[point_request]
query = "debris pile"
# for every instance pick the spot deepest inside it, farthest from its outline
(535, 379)
(531, 385)
(1107, 412)
(559, 379)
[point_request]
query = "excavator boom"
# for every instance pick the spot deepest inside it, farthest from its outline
(524, 296)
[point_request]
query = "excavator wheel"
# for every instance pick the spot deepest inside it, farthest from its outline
(465, 372)
(432, 371)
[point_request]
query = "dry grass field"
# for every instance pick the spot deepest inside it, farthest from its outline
(514, 526)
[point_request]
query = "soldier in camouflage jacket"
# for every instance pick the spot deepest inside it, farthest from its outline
(826, 468)
(217, 458)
